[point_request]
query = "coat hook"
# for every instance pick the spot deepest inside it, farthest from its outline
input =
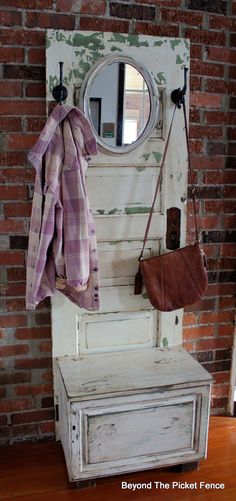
(60, 92)
(177, 95)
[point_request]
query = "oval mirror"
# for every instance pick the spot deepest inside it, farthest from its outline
(120, 99)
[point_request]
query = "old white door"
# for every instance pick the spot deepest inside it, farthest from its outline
(121, 188)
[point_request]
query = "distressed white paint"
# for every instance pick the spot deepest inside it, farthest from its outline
(121, 187)
(132, 410)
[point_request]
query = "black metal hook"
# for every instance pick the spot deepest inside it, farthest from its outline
(177, 95)
(60, 92)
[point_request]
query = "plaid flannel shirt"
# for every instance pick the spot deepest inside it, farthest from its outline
(62, 241)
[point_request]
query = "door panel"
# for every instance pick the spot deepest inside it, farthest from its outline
(121, 188)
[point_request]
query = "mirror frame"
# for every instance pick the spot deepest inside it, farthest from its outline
(153, 94)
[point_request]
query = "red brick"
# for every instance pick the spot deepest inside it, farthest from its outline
(229, 206)
(22, 108)
(12, 405)
(14, 289)
(28, 4)
(17, 175)
(218, 86)
(10, 18)
(196, 146)
(21, 141)
(48, 427)
(46, 20)
(220, 289)
(33, 416)
(231, 133)
(215, 206)
(32, 363)
(97, 8)
(210, 222)
(196, 332)
(214, 343)
(35, 124)
(47, 376)
(65, 5)
(221, 390)
(16, 274)
(12, 350)
(10, 124)
(10, 89)
(91, 23)
(12, 226)
(204, 100)
(13, 192)
(216, 117)
(218, 54)
(189, 319)
(37, 56)
(12, 258)
(22, 37)
(226, 330)
(13, 321)
(230, 222)
(155, 30)
(220, 22)
(229, 192)
(221, 377)
(40, 389)
(196, 51)
(181, 16)
(216, 317)
(17, 304)
(45, 347)
(36, 90)
(3, 420)
(227, 303)
(205, 36)
(2, 392)
(199, 131)
(8, 158)
(213, 177)
(15, 377)
(195, 83)
(19, 210)
(29, 430)
(206, 163)
(9, 55)
(33, 333)
(229, 177)
(43, 318)
(166, 3)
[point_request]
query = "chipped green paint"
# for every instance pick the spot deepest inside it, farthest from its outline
(53, 81)
(140, 169)
(146, 156)
(157, 155)
(158, 43)
(145, 295)
(160, 77)
(114, 242)
(179, 176)
(174, 43)
(113, 211)
(115, 49)
(92, 42)
(137, 210)
(101, 211)
(165, 342)
(187, 44)
(130, 40)
(179, 60)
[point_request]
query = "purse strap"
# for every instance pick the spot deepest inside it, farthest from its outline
(160, 178)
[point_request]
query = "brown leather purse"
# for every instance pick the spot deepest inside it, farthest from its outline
(177, 278)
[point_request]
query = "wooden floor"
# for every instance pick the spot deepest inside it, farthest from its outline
(37, 472)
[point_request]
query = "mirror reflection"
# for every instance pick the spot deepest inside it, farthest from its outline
(119, 104)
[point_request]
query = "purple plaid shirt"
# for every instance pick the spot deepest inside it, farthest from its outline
(62, 240)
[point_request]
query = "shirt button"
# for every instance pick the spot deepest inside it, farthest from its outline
(95, 295)
(92, 231)
(95, 269)
(96, 288)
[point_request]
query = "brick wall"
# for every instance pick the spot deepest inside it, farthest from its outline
(26, 405)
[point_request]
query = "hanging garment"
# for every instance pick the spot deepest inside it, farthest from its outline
(62, 252)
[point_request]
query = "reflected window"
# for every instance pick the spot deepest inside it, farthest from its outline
(119, 104)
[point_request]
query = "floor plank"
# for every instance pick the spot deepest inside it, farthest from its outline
(37, 472)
